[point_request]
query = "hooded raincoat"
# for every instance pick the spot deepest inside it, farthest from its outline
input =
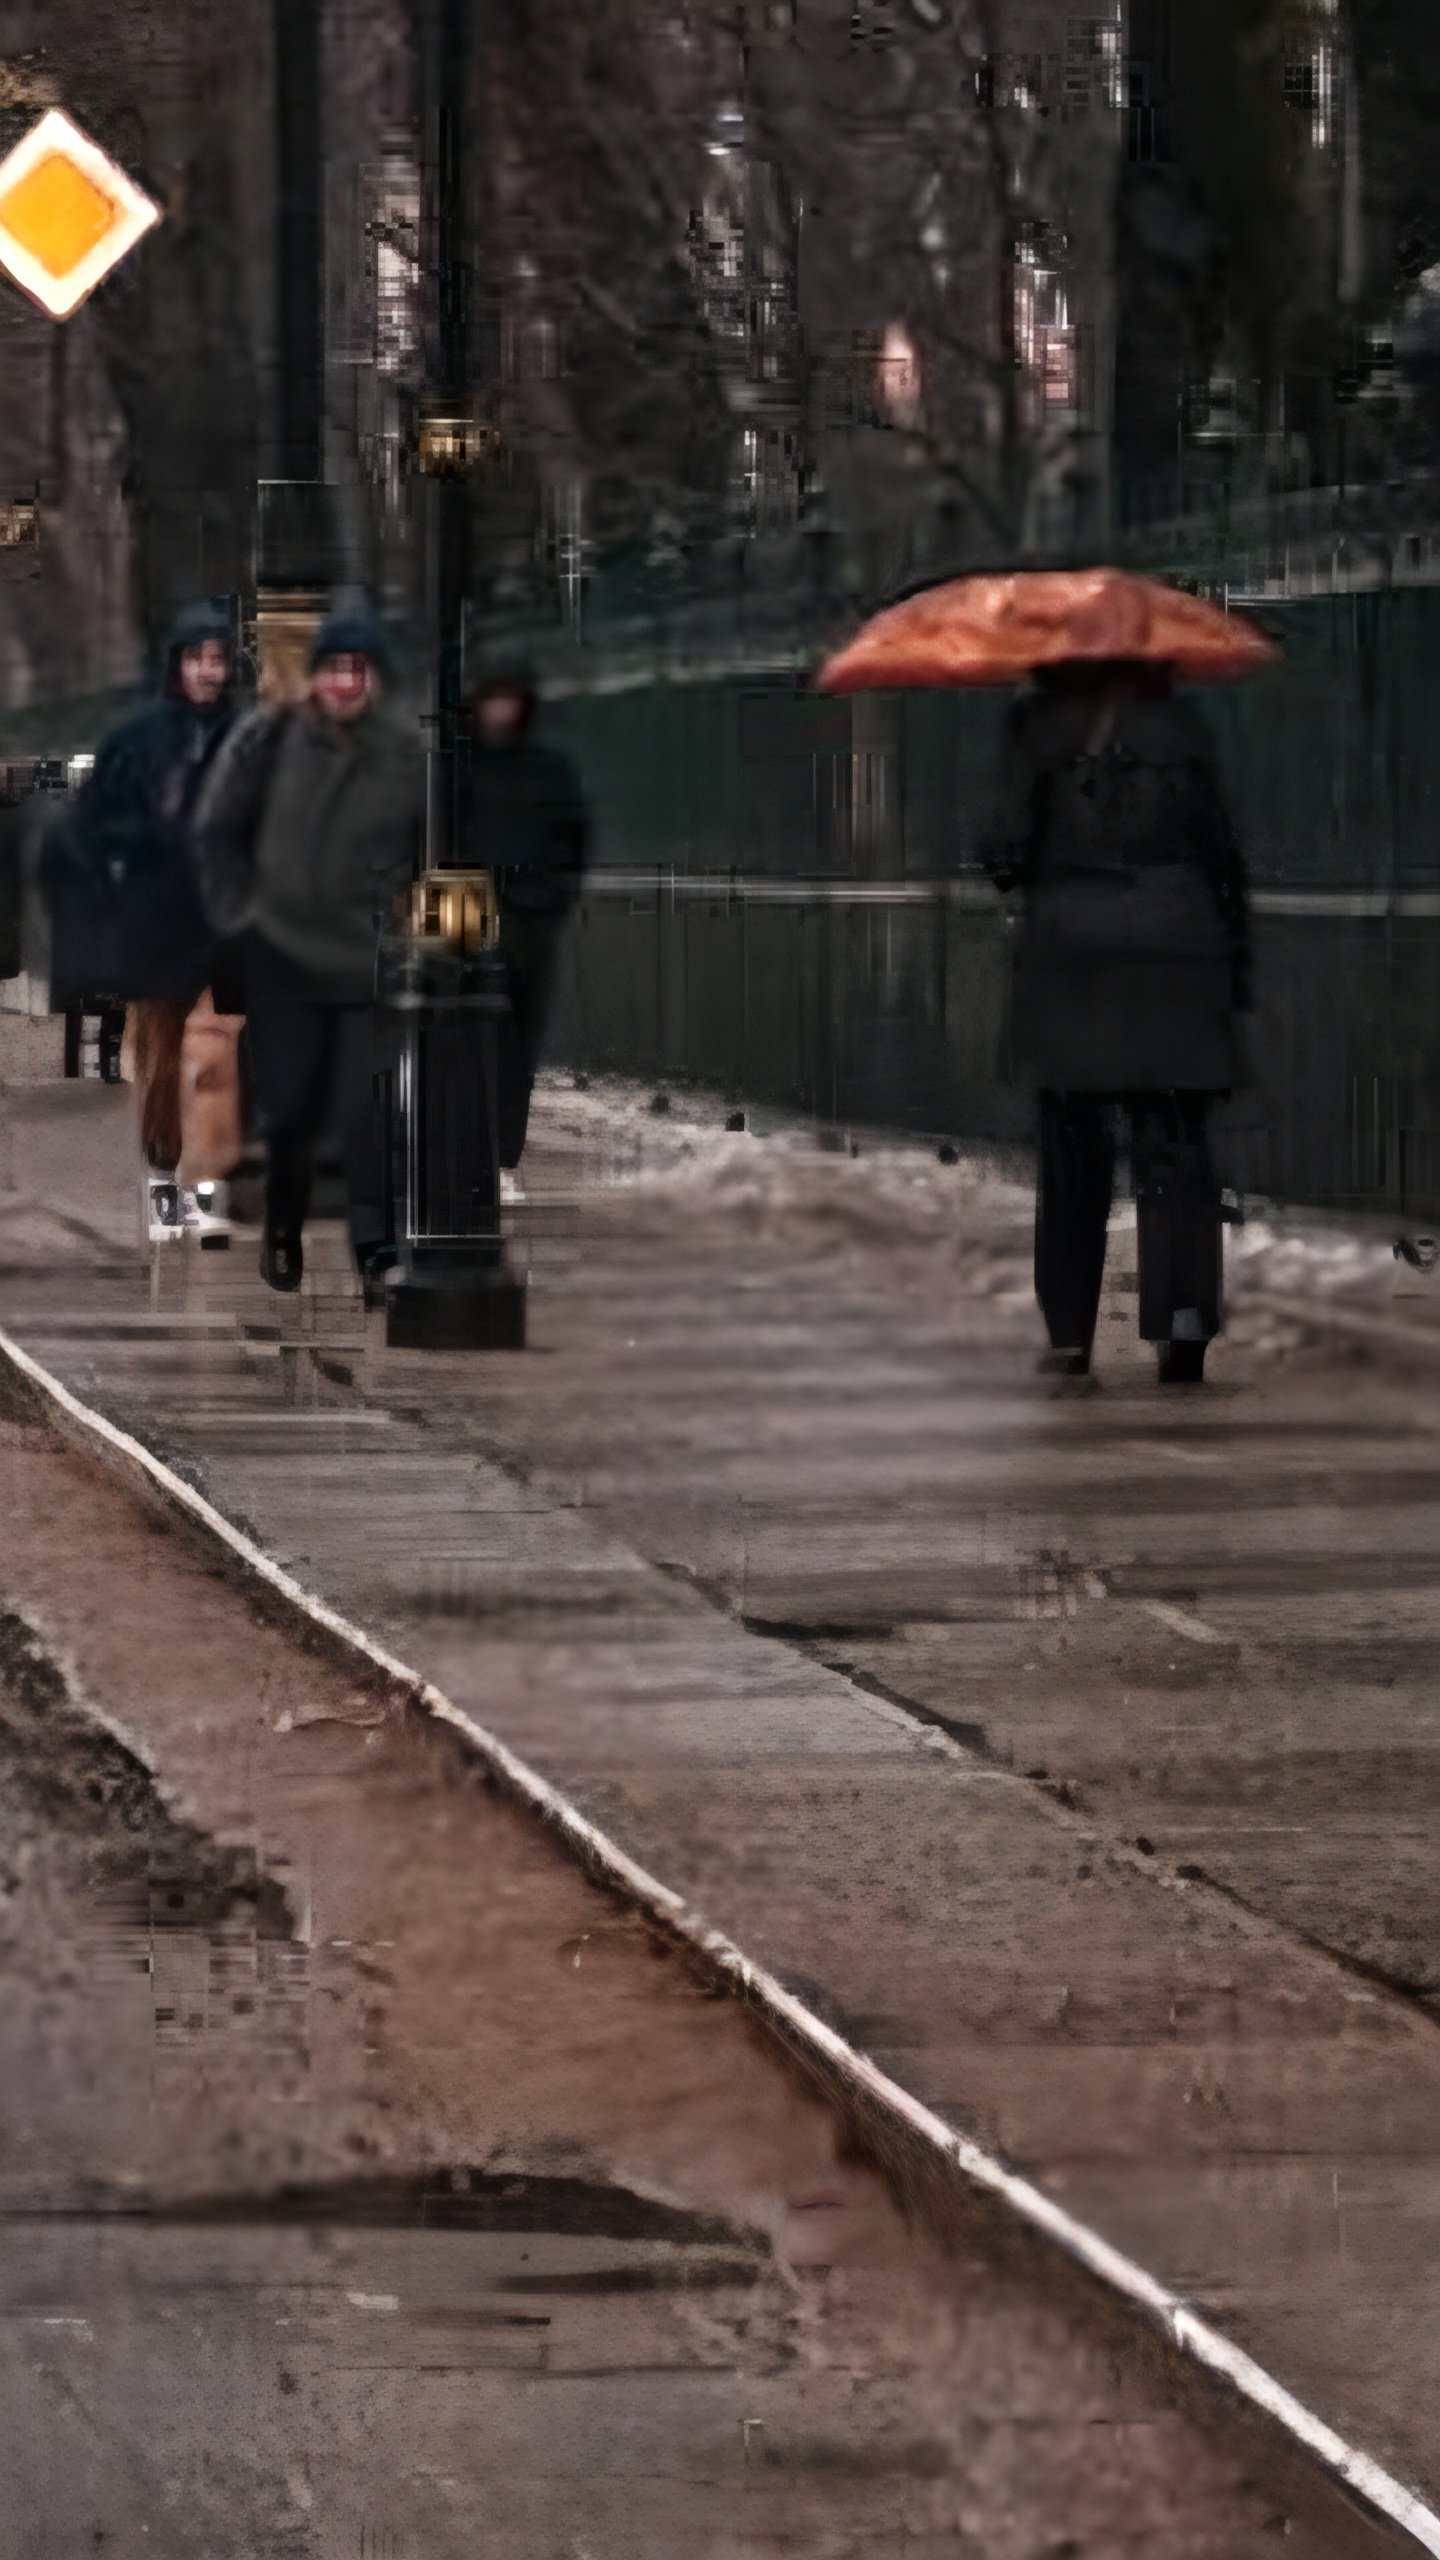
(524, 820)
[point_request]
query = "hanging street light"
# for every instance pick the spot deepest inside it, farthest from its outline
(68, 215)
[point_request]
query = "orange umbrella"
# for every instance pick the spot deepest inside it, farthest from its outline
(994, 630)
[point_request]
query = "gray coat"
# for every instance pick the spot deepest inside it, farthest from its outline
(307, 831)
(1132, 960)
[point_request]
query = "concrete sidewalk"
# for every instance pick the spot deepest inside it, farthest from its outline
(774, 1555)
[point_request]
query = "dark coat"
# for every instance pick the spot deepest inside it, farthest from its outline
(12, 880)
(119, 874)
(522, 818)
(307, 831)
(1133, 956)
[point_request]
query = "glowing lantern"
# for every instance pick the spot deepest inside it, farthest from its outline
(456, 909)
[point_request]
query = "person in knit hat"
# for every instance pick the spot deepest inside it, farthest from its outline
(313, 822)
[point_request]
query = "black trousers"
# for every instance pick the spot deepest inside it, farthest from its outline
(531, 950)
(316, 1058)
(1177, 1200)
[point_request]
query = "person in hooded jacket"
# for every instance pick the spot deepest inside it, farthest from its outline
(1132, 972)
(12, 826)
(523, 819)
(311, 824)
(126, 855)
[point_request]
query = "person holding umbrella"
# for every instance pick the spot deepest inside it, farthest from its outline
(1133, 957)
(1132, 968)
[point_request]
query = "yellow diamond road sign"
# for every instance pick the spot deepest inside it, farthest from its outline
(67, 214)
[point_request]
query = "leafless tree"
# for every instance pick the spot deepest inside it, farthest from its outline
(813, 253)
(138, 420)
(611, 369)
(956, 166)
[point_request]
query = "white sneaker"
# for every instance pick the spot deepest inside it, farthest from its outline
(164, 1209)
(511, 1190)
(207, 1214)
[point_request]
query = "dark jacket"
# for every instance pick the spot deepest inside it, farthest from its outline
(307, 831)
(1133, 958)
(12, 848)
(523, 819)
(119, 872)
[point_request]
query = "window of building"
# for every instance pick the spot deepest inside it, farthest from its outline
(395, 233)
(1311, 71)
(1045, 336)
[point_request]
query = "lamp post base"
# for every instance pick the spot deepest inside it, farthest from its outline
(455, 1310)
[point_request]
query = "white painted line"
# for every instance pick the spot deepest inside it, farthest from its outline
(1195, 2337)
(1183, 1622)
(1177, 1449)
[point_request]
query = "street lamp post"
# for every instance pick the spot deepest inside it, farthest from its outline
(454, 1288)
(298, 175)
(293, 558)
(445, 445)
(1219, 434)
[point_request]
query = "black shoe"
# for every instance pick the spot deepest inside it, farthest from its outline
(1181, 1364)
(282, 1262)
(373, 1262)
(1064, 1364)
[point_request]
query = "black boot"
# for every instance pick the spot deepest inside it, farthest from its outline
(373, 1266)
(1181, 1364)
(282, 1261)
(1064, 1364)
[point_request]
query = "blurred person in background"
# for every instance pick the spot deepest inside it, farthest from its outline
(120, 877)
(1132, 973)
(523, 819)
(12, 848)
(311, 824)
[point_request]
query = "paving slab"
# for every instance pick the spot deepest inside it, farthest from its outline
(676, 1558)
(344, 2214)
